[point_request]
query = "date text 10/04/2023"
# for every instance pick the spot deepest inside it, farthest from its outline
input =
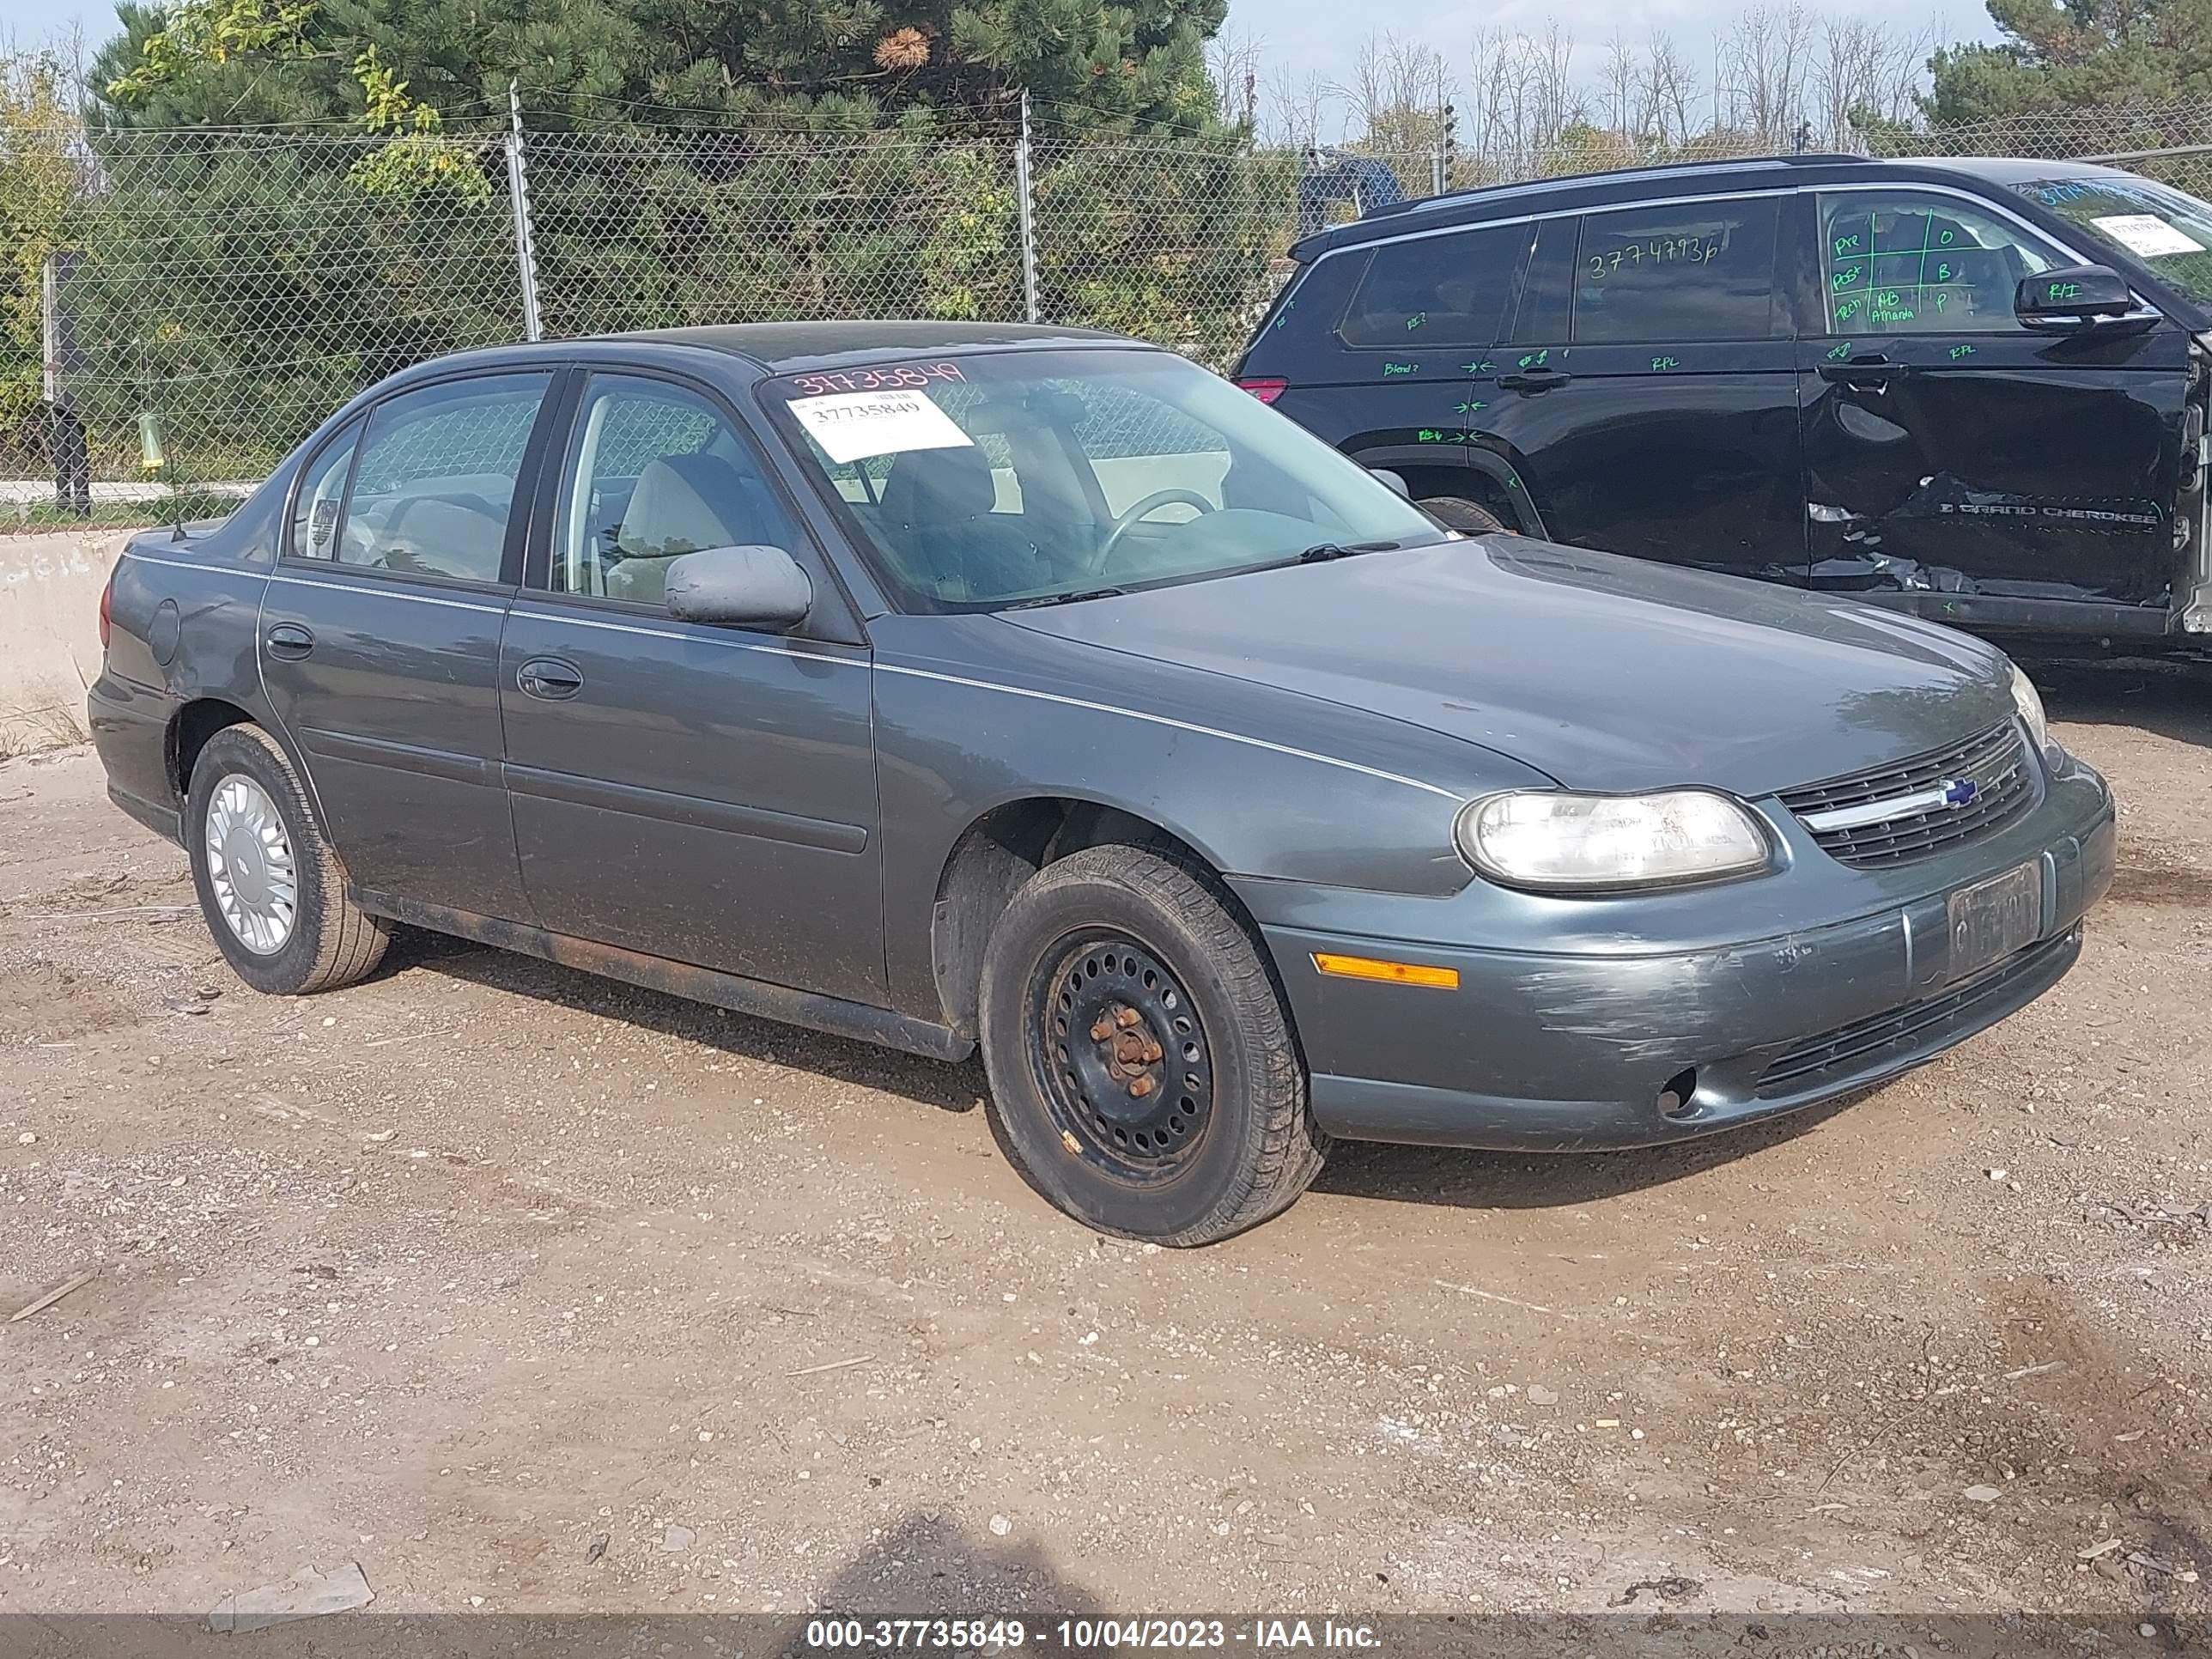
(1085, 1635)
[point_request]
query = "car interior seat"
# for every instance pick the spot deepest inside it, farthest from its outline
(681, 504)
(936, 516)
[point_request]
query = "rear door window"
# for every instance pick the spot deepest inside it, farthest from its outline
(1443, 290)
(435, 483)
(1696, 270)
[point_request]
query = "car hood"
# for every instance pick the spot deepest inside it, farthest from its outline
(1604, 672)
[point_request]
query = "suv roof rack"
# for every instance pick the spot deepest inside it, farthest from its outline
(1732, 164)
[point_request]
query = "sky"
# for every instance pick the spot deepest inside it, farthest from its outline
(1297, 36)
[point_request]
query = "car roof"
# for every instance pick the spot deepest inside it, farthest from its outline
(1624, 187)
(780, 348)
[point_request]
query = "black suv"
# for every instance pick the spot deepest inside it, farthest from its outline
(1972, 389)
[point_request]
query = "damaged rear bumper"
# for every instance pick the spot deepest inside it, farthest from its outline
(1538, 1049)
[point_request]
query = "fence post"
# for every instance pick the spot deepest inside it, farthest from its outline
(518, 195)
(1028, 212)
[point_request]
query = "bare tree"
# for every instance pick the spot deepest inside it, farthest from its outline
(1670, 90)
(1623, 106)
(1233, 60)
(1764, 63)
(1864, 66)
(1298, 112)
(1396, 94)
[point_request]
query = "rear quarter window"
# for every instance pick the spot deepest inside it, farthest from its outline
(1449, 290)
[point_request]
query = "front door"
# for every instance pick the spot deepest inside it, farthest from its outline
(1649, 398)
(1949, 449)
(703, 794)
(380, 636)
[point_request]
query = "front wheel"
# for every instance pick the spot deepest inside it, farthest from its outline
(1143, 1075)
(271, 886)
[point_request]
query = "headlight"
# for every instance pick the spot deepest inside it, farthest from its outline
(1543, 839)
(2027, 699)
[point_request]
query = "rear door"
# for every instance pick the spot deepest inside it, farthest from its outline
(1647, 399)
(1949, 450)
(380, 630)
(702, 794)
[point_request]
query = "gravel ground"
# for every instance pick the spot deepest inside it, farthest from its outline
(531, 1292)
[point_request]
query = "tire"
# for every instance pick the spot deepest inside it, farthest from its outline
(1224, 1138)
(327, 940)
(1468, 518)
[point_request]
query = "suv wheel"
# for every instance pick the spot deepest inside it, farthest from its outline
(272, 888)
(1468, 518)
(1143, 1075)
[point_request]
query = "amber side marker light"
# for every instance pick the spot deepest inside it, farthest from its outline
(1390, 973)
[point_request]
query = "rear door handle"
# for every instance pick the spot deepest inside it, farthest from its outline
(1869, 373)
(290, 641)
(549, 677)
(1534, 380)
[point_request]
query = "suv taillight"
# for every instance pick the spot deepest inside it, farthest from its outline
(1266, 388)
(107, 609)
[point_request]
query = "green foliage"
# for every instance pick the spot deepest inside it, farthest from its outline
(2075, 54)
(39, 188)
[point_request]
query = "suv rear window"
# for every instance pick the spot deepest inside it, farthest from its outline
(1699, 271)
(1450, 289)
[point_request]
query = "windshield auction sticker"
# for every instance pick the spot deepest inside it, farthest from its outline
(852, 426)
(2146, 234)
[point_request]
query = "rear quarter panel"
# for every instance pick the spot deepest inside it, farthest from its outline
(184, 615)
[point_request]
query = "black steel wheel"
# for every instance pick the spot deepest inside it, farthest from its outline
(1121, 1055)
(1144, 1074)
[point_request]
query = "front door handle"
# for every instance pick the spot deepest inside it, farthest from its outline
(1869, 373)
(1534, 380)
(290, 641)
(549, 677)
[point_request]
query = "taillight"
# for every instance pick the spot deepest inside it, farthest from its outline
(1266, 388)
(106, 610)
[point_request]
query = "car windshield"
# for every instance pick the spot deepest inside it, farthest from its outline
(2169, 231)
(1015, 477)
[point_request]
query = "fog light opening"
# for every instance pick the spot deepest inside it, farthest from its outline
(1677, 1096)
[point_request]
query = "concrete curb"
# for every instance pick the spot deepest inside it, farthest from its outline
(50, 587)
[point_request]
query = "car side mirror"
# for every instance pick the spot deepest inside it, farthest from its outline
(751, 587)
(1395, 480)
(2072, 299)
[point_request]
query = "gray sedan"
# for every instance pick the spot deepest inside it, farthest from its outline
(973, 687)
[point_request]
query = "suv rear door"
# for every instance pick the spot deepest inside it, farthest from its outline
(1950, 451)
(1648, 400)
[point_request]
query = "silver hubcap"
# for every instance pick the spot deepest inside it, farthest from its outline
(249, 866)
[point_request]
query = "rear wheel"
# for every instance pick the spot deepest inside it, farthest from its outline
(1143, 1075)
(1468, 518)
(272, 888)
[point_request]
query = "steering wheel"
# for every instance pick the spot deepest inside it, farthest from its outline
(1128, 520)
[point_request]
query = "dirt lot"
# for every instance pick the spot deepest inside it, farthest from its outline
(460, 1272)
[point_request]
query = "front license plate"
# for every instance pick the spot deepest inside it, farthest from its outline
(1992, 919)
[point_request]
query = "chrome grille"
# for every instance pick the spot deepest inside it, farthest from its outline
(1995, 763)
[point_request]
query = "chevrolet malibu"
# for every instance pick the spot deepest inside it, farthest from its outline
(1031, 691)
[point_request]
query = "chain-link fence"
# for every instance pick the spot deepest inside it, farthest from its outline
(217, 294)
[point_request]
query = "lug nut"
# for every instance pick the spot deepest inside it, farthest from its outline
(1102, 1030)
(1140, 1087)
(1125, 1017)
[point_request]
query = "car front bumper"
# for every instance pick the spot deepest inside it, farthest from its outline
(1544, 1048)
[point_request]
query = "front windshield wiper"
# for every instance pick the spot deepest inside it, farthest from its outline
(1322, 552)
(1068, 599)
